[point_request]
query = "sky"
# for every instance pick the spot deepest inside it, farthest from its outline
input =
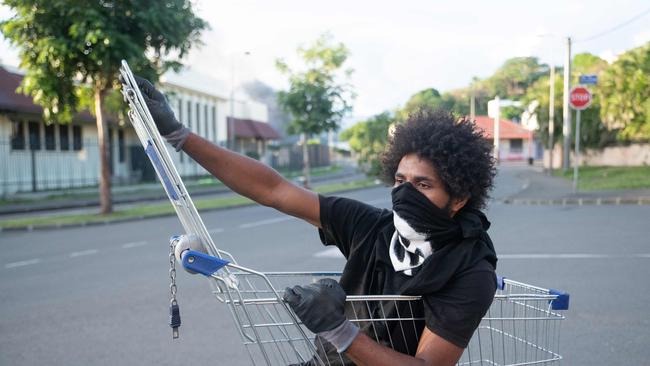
(399, 48)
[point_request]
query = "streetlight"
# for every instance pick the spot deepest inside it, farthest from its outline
(231, 122)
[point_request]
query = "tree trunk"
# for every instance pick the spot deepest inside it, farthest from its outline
(305, 161)
(105, 199)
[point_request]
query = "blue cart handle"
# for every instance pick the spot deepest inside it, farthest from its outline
(202, 263)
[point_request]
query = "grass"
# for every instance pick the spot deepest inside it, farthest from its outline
(91, 192)
(610, 178)
(160, 209)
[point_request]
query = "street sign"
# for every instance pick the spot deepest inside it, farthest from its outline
(580, 98)
(588, 79)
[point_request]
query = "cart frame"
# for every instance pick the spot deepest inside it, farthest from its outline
(522, 327)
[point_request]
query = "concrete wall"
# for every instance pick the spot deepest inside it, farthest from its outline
(508, 153)
(632, 155)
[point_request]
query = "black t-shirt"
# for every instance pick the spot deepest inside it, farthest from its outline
(360, 231)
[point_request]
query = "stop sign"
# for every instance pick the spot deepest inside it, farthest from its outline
(580, 98)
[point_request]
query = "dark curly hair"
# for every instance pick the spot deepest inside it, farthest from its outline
(458, 151)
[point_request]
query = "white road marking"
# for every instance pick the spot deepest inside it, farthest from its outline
(83, 252)
(266, 222)
(215, 230)
(134, 244)
(23, 263)
(331, 252)
(378, 201)
(570, 256)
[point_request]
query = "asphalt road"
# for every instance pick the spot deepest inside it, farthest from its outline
(99, 295)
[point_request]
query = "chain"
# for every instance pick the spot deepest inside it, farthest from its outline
(172, 272)
(174, 311)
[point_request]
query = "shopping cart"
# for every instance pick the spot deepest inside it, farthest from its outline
(522, 327)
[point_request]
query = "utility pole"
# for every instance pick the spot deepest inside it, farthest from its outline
(496, 128)
(472, 106)
(566, 112)
(551, 118)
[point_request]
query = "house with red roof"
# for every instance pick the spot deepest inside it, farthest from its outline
(516, 143)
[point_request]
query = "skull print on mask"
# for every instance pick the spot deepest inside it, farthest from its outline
(420, 228)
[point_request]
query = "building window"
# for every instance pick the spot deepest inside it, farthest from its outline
(214, 123)
(34, 131)
(198, 119)
(17, 135)
(189, 115)
(516, 145)
(77, 142)
(50, 139)
(64, 138)
(205, 122)
(121, 147)
(180, 110)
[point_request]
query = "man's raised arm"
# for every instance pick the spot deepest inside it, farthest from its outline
(254, 180)
(242, 174)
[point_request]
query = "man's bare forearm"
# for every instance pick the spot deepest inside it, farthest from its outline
(242, 174)
(366, 352)
(432, 351)
(252, 179)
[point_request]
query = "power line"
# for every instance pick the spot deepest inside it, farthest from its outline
(598, 35)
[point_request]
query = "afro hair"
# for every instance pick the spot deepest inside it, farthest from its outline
(460, 154)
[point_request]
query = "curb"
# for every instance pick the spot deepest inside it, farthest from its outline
(29, 228)
(598, 201)
(154, 195)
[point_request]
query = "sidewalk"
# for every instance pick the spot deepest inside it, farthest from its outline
(542, 189)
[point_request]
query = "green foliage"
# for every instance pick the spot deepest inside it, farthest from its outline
(512, 112)
(513, 78)
(539, 91)
(369, 138)
(593, 133)
(316, 99)
(431, 99)
(586, 63)
(66, 44)
(624, 90)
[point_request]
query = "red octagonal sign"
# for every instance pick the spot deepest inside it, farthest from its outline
(580, 98)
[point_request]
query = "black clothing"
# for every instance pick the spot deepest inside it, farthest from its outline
(456, 282)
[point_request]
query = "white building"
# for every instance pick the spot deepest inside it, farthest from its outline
(36, 157)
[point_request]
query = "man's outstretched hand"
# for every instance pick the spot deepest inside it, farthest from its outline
(158, 107)
(321, 307)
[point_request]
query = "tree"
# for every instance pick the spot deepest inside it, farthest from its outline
(368, 139)
(67, 46)
(316, 100)
(514, 77)
(625, 94)
(539, 91)
(432, 99)
(593, 133)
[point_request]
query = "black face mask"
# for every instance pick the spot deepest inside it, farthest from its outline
(420, 228)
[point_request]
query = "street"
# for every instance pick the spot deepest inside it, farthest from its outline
(99, 295)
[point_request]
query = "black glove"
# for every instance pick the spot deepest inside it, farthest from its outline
(158, 107)
(320, 305)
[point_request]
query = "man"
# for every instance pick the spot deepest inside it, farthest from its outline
(432, 244)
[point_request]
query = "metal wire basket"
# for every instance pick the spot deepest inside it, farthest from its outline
(522, 327)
